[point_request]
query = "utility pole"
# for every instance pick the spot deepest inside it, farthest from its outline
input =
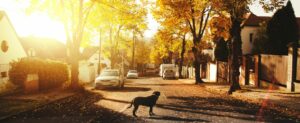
(133, 48)
(99, 59)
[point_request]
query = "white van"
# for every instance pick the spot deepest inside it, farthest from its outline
(166, 66)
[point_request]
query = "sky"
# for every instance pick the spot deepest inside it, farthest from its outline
(257, 9)
(39, 24)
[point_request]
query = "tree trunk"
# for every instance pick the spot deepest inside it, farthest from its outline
(133, 49)
(235, 56)
(74, 68)
(197, 66)
(99, 60)
(182, 57)
(75, 49)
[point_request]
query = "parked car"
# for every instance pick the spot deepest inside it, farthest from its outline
(132, 74)
(168, 74)
(110, 77)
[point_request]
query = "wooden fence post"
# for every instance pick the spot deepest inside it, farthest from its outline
(257, 70)
(217, 70)
(292, 66)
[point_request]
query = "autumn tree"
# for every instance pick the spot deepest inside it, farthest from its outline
(74, 15)
(142, 53)
(165, 45)
(274, 35)
(219, 27)
(282, 29)
(178, 29)
(260, 43)
(117, 20)
(237, 9)
(77, 15)
(195, 14)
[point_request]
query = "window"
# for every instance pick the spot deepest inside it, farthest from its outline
(4, 46)
(31, 52)
(3, 74)
(251, 37)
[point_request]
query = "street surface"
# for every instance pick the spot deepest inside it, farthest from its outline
(180, 101)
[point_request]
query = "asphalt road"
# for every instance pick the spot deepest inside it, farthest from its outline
(180, 101)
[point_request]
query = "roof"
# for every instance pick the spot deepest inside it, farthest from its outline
(88, 52)
(254, 20)
(3, 14)
(45, 47)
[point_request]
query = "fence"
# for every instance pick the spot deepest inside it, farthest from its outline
(280, 70)
(298, 67)
(222, 72)
(188, 72)
(274, 68)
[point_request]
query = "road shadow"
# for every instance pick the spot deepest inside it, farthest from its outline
(125, 89)
(213, 105)
(80, 108)
(171, 118)
(115, 100)
(192, 108)
(137, 85)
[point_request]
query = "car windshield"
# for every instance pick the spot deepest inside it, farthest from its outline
(132, 71)
(109, 73)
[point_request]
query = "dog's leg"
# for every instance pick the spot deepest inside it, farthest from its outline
(134, 110)
(151, 111)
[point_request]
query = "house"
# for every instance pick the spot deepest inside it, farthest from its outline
(249, 31)
(11, 47)
(45, 48)
(88, 65)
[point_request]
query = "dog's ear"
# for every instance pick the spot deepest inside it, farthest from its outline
(157, 93)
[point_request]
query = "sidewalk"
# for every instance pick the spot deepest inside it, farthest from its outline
(18, 103)
(288, 102)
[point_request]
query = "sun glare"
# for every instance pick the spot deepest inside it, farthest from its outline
(41, 25)
(37, 24)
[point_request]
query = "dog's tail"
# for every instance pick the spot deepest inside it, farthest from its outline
(130, 104)
(127, 106)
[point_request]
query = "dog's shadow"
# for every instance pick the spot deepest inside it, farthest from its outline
(172, 118)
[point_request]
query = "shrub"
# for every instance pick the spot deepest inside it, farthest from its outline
(51, 73)
(221, 50)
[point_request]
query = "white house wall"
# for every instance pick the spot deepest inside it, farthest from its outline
(245, 35)
(14, 52)
(15, 49)
(95, 59)
(87, 72)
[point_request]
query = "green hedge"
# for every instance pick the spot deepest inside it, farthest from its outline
(51, 73)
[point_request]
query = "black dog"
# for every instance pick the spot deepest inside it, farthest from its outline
(149, 101)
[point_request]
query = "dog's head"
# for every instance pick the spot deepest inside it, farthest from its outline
(156, 93)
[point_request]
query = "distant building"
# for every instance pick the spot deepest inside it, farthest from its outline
(11, 47)
(89, 62)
